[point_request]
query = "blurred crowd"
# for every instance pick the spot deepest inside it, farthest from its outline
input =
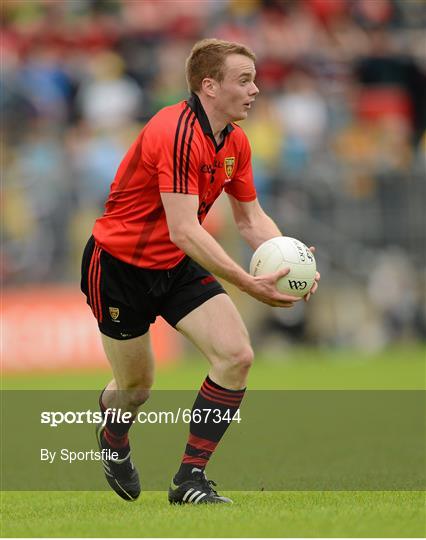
(337, 134)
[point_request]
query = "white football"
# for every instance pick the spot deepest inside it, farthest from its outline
(282, 252)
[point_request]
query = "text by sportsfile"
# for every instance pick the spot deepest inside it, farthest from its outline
(70, 456)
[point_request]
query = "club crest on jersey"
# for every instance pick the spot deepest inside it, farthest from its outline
(114, 312)
(229, 166)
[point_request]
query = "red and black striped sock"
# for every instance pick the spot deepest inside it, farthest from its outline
(205, 435)
(116, 432)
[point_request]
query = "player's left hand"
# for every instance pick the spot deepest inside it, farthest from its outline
(316, 282)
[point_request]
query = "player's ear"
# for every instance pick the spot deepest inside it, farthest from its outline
(209, 86)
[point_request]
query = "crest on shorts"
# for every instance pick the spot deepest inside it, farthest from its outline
(229, 166)
(114, 312)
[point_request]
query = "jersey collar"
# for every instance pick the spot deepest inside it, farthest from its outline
(195, 104)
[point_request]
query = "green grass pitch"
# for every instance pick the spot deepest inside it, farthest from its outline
(254, 514)
(266, 514)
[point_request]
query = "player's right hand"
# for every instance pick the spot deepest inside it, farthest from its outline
(264, 289)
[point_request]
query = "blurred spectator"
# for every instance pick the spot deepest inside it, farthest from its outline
(394, 289)
(37, 206)
(265, 133)
(106, 97)
(95, 153)
(303, 115)
(45, 84)
(392, 84)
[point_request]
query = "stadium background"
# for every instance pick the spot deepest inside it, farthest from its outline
(338, 142)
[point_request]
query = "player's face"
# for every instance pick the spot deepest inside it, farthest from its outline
(237, 91)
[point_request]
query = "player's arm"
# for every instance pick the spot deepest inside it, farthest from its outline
(254, 225)
(186, 232)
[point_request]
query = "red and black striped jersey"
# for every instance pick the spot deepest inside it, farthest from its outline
(174, 153)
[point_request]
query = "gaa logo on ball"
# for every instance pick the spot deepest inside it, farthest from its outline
(285, 252)
(297, 285)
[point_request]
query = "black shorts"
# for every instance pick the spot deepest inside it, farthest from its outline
(126, 299)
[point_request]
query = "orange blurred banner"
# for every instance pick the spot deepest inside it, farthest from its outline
(52, 328)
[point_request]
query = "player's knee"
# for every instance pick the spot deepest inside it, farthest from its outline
(136, 397)
(242, 359)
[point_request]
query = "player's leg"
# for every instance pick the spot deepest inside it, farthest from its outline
(115, 292)
(133, 368)
(217, 329)
(132, 364)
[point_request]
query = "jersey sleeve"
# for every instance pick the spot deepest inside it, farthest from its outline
(176, 154)
(242, 184)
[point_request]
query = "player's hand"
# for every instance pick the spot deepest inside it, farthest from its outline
(264, 289)
(314, 287)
